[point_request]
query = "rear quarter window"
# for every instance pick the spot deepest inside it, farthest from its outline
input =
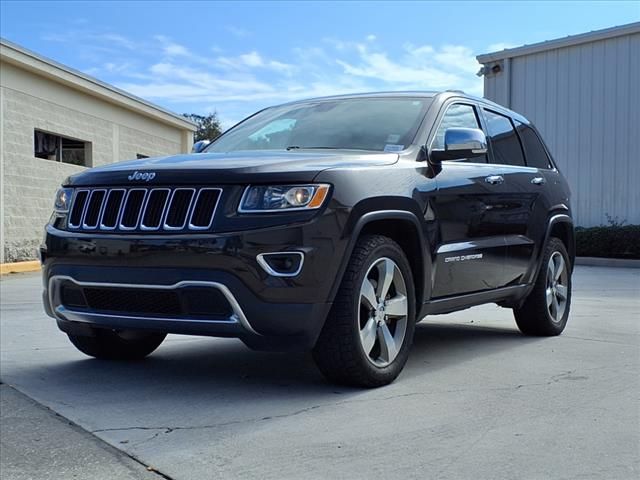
(533, 148)
(504, 140)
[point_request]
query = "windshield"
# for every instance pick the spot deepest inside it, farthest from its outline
(379, 124)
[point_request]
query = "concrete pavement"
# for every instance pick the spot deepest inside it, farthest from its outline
(476, 400)
(37, 443)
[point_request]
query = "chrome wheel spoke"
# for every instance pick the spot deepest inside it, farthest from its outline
(561, 292)
(397, 306)
(551, 272)
(388, 348)
(386, 270)
(368, 294)
(549, 294)
(554, 307)
(559, 268)
(368, 335)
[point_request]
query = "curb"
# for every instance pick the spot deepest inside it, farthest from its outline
(19, 267)
(608, 262)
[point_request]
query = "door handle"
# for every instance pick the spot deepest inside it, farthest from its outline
(538, 181)
(494, 179)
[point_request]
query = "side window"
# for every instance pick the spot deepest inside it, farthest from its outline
(536, 154)
(457, 116)
(504, 140)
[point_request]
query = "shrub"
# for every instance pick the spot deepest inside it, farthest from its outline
(615, 241)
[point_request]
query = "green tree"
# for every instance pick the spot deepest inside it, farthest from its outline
(208, 126)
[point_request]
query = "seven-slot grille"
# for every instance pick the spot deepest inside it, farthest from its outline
(146, 209)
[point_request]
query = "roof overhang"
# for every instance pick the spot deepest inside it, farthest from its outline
(31, 61)
(569, 41)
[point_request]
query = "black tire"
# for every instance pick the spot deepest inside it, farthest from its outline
(535, 317)
(111, 345)
(339, 352)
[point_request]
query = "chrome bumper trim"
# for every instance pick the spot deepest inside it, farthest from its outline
(267, 268)
(64, 313)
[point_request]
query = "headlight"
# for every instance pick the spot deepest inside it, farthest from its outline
(63, 200)
(276, 198)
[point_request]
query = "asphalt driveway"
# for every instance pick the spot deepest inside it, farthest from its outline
(476, 400)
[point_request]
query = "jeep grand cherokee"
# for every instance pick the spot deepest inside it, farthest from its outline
(332, 224)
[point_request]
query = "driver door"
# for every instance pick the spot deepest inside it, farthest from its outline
(471, 249)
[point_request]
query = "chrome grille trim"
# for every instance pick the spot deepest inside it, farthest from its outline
(123, 207)
(213, 213)
(86, 209)
(168, 209)
(185, 219)
(162, 213)
(106, 201)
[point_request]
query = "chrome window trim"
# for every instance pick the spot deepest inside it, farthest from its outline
(267, 268)
(123, 206)
(106, 201)
(144, 209)
(85, 226)
(187, 215)
(64, 313)
(213, 213)
(84, 208)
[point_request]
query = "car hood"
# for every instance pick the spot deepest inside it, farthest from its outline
(232, 167)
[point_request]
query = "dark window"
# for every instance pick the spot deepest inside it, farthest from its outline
(504, 141)
(457, 116)
(61, 149)
(534, 149)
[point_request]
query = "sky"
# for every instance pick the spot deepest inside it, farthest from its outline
(235, 58)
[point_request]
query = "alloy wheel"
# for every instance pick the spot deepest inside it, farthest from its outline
(557, 291)
(383, 312)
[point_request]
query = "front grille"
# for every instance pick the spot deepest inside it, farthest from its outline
(186, 302)
(147, 209)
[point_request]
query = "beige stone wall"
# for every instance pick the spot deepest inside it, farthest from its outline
(30, 102)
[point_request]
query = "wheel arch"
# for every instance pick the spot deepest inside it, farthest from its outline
(404, 228)
(561, 226)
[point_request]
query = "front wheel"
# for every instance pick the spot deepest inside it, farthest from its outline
(546, 309)
(113, 345)
(366, 339)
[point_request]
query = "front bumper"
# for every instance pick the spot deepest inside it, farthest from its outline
(268, 312)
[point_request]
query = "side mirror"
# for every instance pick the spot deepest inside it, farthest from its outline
(200, 146)
(461, 143)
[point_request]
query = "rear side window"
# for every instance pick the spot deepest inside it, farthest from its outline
(504, 140)
(534, 149)
(457, 116)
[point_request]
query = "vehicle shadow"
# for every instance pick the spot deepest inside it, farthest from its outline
(191, 382)
(226, 369)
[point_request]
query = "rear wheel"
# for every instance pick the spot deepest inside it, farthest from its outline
(367, 336)
(112, 345)
(546, 309)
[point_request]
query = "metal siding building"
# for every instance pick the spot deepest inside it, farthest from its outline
(583, 94)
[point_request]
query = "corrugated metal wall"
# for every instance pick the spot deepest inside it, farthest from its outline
(585, 100)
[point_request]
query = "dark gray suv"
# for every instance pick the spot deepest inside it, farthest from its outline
(332, 224)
